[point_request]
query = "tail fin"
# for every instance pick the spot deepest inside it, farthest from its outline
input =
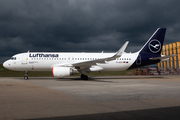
(150, 53)
(155, 42)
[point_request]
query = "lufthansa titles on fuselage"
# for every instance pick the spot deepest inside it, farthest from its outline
(43, 55)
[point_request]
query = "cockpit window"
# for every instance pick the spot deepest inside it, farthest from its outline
(13, 58)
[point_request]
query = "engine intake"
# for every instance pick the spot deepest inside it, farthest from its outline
(61, 72)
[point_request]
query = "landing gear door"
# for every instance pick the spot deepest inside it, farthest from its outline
(24, 58)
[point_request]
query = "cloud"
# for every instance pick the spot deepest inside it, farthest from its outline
(84, 25)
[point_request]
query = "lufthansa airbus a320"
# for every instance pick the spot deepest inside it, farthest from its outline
(64, 64)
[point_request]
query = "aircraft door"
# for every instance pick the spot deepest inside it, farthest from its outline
(138, 60)
(24, 58)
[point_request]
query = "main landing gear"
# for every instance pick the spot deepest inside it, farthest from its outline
(84, 77)
(26, 75)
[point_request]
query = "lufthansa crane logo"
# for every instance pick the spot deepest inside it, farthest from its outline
(154, 46)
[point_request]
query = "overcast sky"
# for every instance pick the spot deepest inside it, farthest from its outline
(84, 25)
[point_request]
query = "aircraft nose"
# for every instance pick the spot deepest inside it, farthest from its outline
(6, 64)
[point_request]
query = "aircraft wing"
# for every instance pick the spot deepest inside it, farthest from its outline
(87, 64)
(163, 57)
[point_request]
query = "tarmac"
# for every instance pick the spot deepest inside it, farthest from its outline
(100, 98)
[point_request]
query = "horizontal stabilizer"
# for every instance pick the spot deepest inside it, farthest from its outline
(162, 58)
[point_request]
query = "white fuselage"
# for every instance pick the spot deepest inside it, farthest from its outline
(44, 61)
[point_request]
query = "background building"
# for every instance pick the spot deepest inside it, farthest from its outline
(173, 64)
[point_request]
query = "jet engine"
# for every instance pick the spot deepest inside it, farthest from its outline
(62, 71)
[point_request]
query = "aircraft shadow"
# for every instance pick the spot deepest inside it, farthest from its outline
(95, 78)
(79, 79)
(63, 79)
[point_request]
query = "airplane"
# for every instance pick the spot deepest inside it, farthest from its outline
(63, 64)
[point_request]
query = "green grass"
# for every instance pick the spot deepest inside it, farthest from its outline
(9, 73)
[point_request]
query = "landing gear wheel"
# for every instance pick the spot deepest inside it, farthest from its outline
(25, 77)
(84, 77)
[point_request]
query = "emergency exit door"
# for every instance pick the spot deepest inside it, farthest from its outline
(24, 58)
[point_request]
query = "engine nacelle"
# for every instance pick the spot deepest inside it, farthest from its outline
(62, 71)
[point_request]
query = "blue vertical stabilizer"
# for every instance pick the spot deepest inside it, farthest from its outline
(151, 49)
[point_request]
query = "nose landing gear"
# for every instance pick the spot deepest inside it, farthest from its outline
(26, 75)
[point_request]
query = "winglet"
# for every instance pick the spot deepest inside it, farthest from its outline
(117, 54)
(121, 50)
